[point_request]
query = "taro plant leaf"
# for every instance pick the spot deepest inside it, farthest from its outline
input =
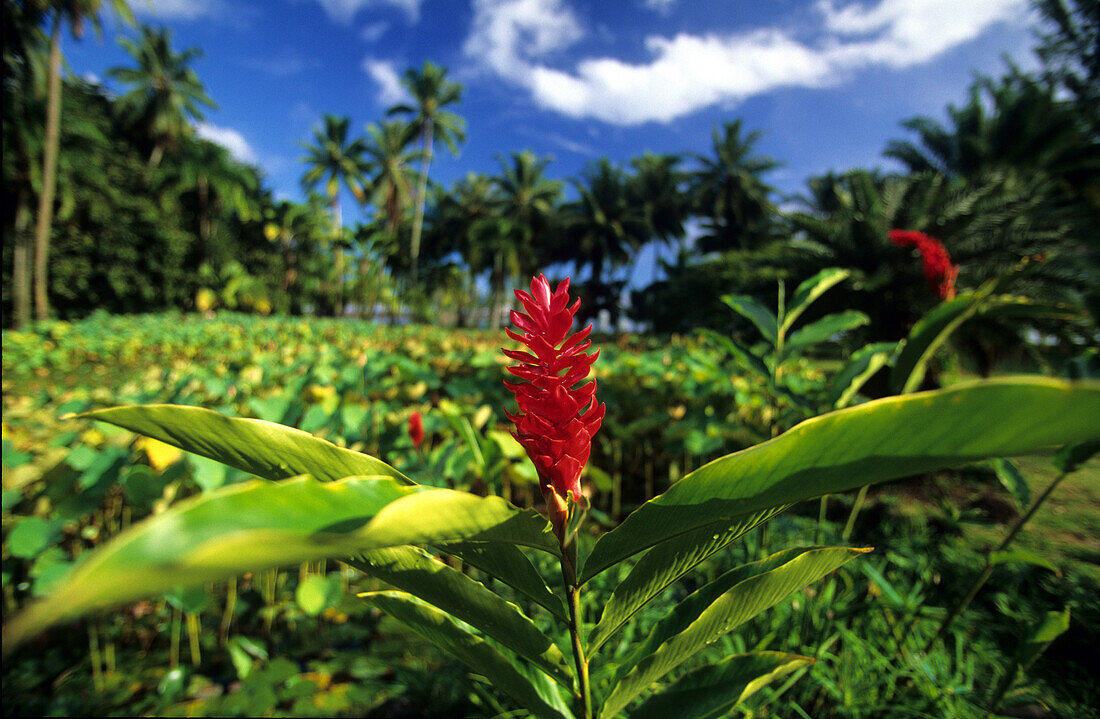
(742, 354)
(756, 313)
(824, 328)
(860, 367)
(872, 442)
(1013, 480)
(260, 524)
(510, 565)
(444, 631)
(718, 607)
(809, 290)
(412, 570)
(710, 691)
(264, 449)
(663, 565)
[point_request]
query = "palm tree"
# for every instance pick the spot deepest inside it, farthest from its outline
(657, 185)
(728, 190)
(165, 94)
(390, 160)
(603, 229)
(431, 92)
(75, 13)
(334, 160)
(528, 205)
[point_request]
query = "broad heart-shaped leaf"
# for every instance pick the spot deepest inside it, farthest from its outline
(663, 565)
(508, 564)
(823, 329)
(710, 691)
(264, 449)
(716, 608)
(541, 698)
(809, 290)
(756, 313)
(258, 524)
(872, 442)
(420, 574)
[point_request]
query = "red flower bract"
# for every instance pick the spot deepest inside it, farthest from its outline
(416, 429)
(557, 414)
(938, 269)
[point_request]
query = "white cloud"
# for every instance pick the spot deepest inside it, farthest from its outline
(285, 66)
(663, 7)
(344, 11)
(390, 89)
(374, 31)
(176, 9)
(689, 72)
(228, 138)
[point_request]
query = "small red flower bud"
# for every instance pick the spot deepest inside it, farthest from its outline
(558, 414)
(416, 429)
(938, 269)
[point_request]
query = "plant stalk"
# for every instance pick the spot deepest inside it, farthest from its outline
(569, 574)
(987, 571)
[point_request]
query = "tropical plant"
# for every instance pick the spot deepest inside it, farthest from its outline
(75, 13)
(358, 508)
(431, 92)
(165, 96)
(389, 187)
(336, 160)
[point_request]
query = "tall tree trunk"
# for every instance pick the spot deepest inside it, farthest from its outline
(21, 260)
(421, 199)
(49, 175)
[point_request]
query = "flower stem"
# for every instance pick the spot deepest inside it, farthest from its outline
(572, 588)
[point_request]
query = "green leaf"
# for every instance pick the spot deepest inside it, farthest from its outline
(422, 575)
(809, 290)
(473, 651)
(742, 354)
(824, 329)
(258, 524)
(872, 442)
(663, 565)
(930, 332)
(860, 367)
(261, 448)
(31, 536)
(317, 593)
(510, 565)
(1013, 480)
(1022, 556)
(712, 690)
(1070, 458)
(716, 608)
(756, 313)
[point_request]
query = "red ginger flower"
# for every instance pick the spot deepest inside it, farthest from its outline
(416, 429)
(938, 269)
(557, 416)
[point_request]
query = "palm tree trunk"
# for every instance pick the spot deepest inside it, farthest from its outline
(21, 256)
(421, 199)
(49, 175)
(338, 255)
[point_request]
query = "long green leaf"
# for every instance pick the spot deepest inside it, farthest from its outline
(511, 566)
(710, 691)
(824, 328)
(756, 313)
(259, 524)
(418, 573)
(473, 651)
(716, 608)
(929, 334)
(860, 367)
(809, 290)
(263, 449)
(873, 442)
(663, 565)
(742, 354)
(1013, 480)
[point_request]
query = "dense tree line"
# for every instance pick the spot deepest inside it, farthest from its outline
(147, 216)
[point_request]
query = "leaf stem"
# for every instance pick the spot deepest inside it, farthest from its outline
(572, 588)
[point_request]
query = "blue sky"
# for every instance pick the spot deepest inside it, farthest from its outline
(826, 81)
